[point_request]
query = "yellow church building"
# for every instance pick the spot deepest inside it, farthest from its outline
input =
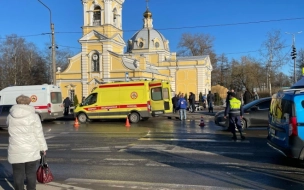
(103, 57)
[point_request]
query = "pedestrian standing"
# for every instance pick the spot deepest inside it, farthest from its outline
(210, 100)
(192, 102)
(234, 111)
(66, 103)
(182, 105)
(256, 96)
(174, 103)
(246, 97)
(204, 99)
(26, 142)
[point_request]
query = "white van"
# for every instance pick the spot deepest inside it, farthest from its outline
(46, 99)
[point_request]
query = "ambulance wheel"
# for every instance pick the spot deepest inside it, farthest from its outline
(134, 117)
(82, 117)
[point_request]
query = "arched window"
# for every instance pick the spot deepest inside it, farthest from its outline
(97, 16)
(95, 62)
(115, 16)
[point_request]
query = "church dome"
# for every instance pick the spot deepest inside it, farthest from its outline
(147, 38)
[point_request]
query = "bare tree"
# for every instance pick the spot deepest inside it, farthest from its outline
(272, 53)
(18, 61)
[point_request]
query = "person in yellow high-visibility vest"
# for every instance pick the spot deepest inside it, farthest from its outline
(235, 111)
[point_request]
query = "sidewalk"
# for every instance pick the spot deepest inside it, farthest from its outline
(6, 184)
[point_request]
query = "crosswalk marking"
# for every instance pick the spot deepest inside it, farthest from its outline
(192, 140)
(144, 185)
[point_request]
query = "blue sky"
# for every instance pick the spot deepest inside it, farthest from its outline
(29, 17)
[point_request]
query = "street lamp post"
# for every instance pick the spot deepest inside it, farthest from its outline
(53, 45)
(294, 54)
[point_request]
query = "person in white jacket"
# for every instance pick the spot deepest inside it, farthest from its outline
(26, 142)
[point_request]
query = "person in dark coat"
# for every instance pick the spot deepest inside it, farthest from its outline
(174, 103)
(66, 103)
(234, 111)
(246, 97)
(210, 100)
(192, 102)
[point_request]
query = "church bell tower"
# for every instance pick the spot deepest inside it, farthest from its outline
(103, 16)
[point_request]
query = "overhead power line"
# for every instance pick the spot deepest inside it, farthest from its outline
(183, 27)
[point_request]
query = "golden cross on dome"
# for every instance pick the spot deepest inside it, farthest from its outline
(147, 3)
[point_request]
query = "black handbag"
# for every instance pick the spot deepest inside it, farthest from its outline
(44, 174)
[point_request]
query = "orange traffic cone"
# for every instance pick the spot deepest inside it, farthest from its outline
(127, 122)
(202, 124)
(76, 123)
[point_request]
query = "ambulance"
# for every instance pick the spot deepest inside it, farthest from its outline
(137, 100)
(46, 99)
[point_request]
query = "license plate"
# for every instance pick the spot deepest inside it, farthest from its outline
(158, 112)
(55, 113)
(272, 131)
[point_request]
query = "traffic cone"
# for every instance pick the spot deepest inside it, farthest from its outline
(76, 123)
(202, 124)
(127, 122)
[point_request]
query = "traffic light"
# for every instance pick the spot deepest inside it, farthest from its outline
(293, 52)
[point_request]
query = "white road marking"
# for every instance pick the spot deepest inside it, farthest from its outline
(125, 160)
(192, 140)
(95, 149)
(145, 185)
(58, 186)
(49, 137)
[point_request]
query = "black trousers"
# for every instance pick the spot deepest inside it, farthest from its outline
(66, 110)
(193, 107)
(29, 170)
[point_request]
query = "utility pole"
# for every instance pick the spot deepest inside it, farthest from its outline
(53, 45)
(269, 74)
(294, 54)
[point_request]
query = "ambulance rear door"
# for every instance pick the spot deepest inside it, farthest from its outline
(156, 98)
(166, 93)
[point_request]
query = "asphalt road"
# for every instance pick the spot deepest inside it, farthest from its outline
(159, 153)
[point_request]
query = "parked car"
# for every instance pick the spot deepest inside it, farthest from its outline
(255, 114)
(4, 111)
(286, 121)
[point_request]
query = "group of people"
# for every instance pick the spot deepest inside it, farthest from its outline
(180, 104)
(208, 101)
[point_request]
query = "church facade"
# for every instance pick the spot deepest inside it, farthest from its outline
(106, 57)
